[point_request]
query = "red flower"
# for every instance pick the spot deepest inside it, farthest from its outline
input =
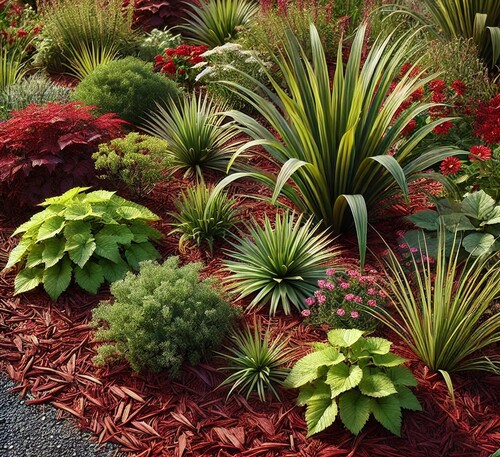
(418, 94)
(21, 33)
(438, 97)
(169, 67)
(409, 128)
(459, 87)
(487, 124)
(442, 129)
(450, 166)
(479, 153)
(195, 59)
(437, 85)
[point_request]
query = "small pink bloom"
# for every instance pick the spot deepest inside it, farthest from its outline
(372, 291)
(381, 294)
(400, 233)
(321, 283)
(306, 312)
(310, 301)
(371, 302)
(329, 286)
(330, 272)
(358, 299)
(403, 245)
(344, 285)
(373, 272)
(413, 250)
(350, 297)
(352, 273)
(354, 314)
(321, 299)
(341, 312)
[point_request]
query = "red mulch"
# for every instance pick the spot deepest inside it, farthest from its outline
(47, 349)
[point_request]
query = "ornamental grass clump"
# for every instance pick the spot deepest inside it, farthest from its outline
(161, 318)
(279, 262)
(353, 376)
(341, 298)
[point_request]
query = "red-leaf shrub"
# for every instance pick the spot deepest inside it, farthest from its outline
(47, 149)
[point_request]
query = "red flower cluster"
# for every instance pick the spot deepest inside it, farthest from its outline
(487, 124)
(479, 153)
(450, 166)
(444, 128)
(15, 30)
(179, 62)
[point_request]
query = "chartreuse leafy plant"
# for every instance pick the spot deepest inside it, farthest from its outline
(476, 218)
(214, 22)
(162, 317)
(93, 237)
(338, 139)
(255, 362)
(281, 263)
(353, 377)
(440, 314)
(200, 218)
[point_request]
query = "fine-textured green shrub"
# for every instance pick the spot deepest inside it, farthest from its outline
(216, 21)
(255, 363)
(440, 313)
(79, 30)
(162, 317)
(35, 89)
(200, 218)
(94, 237)
(199, 136)
(155, 42)
(354, 377)
(127, 87)
(135, 162)
(280, 262)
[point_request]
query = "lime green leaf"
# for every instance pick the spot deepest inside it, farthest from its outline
(478, 205)
(35, 256)
(401, 376)
(354, 410)
(407, 399)
(120, 233)
(478, 244)
(137, 253)
(53, 251)
(133, 212)
(18, 252)
(376, 345)
(376, 385)
(388, 412)
(77, 228)
(51, 227)
(27, 279)
(306, 369)
(113, 271)
(318, 390)
(56, 279)
(80, 249)
(342, 377)
(320, 414)
(90, 277)
(344, 337)
(427, 219)
(388, 360)
(64, 198)
(77, 211)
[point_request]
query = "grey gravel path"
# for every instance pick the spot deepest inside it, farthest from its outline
(34, 431)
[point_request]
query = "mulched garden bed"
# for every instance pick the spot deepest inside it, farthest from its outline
(47, 349)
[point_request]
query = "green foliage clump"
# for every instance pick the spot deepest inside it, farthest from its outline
(162, 317)
(127, 87)
(155, 43)
(36, 89)
(354, 377)
(281, 263)
(93, 237)
(135, 162)
(203, 216)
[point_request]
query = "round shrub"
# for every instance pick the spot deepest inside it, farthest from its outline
(162, 317)
(127, 87)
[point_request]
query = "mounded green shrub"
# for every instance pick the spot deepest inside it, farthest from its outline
(127, 87)
(94, 237)
(162, 317)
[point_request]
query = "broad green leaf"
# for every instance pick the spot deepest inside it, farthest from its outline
(18, 252)
(306, 369)
(407, 399)
(493, 217)
(77, 211)
(51, 227)
(354, 410)
(478, 244)
(53, 251)
(388, 412)
(56, 279)
(376, 385)
(99, 196)
(342, 377)
(377, 345)
(427, 219)
(387, 360)
(133, 212)
(143, 232)
(457, 221)
(320, 414)
(318, 390)
(80, 249)
(107, 247)
(401, 376)
(64, 198)
(77, 228)
(113, 271)
(90, 277)
(344, 337)
(34, 257)
(27, 279)
(121, 233)
(478, 205)
(139, 252)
